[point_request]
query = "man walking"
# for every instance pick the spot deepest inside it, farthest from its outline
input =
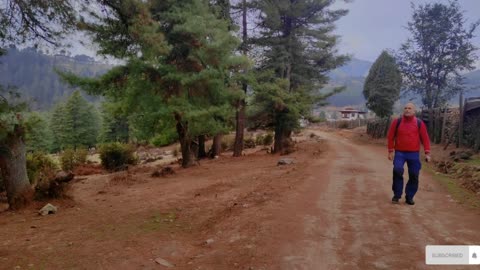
(404, 137)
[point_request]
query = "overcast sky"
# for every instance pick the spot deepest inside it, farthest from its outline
(374, 25)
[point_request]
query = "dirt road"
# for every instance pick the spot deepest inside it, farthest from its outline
(349, 222)
(329, 210)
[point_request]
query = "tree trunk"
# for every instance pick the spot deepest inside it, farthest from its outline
(283, 142)
(216, 146)
(240, 127)
(277, 143)
(240, 114)
(188, 158)
(13, 167)
(201, 147)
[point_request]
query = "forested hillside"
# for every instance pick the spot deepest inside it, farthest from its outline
(34, 74)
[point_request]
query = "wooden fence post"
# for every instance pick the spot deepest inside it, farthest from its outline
(460, 122)
(430, 124)
(444, 123)
(438, 125)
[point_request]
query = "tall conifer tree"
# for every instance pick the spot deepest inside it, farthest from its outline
(300, 49)
(382, 85)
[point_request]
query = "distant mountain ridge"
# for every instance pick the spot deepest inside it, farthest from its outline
(33, 73)
(352, 75)
(354, 68)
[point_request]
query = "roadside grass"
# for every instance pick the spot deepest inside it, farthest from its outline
(458, 193)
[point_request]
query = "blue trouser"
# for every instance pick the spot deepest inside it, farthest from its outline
(414, 165)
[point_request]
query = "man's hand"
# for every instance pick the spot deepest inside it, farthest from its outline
(390, 156)
(428, 158)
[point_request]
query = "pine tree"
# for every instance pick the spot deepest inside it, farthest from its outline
(81, 122)
(300, 49)
(115, 126)
(382, 86)
(38, 137)
(75, 123)
(180, 55)
(241, 103)
(57, 121)
(32, 20)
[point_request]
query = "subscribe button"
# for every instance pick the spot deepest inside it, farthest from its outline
(452, 255)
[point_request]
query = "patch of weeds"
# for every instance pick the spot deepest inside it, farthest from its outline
(475, 161)
(159, 221)
(458, 193)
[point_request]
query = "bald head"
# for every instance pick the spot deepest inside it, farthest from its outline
(409, 109)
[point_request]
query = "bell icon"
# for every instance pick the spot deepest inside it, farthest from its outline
(474, 255)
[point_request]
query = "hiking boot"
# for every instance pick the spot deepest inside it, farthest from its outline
(395, 199)
(409, 201)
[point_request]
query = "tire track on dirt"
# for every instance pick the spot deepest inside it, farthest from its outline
(354, 225)
(375, 234)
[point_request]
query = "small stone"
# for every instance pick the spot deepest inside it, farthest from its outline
(209, 241)
(164, 262)
(48, 209)
(286, 161)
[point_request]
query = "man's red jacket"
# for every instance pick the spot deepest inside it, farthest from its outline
(408, 136)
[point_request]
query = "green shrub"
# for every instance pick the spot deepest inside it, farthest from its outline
(268, 139)
(70, 158)
(249, 143)
(67, 159)
(315, 119)
(259, 139)
(166, 138)
(40, 167)
(264, 139)
(81, 155)
(224, 145)
(115, 156)
(227, 143)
